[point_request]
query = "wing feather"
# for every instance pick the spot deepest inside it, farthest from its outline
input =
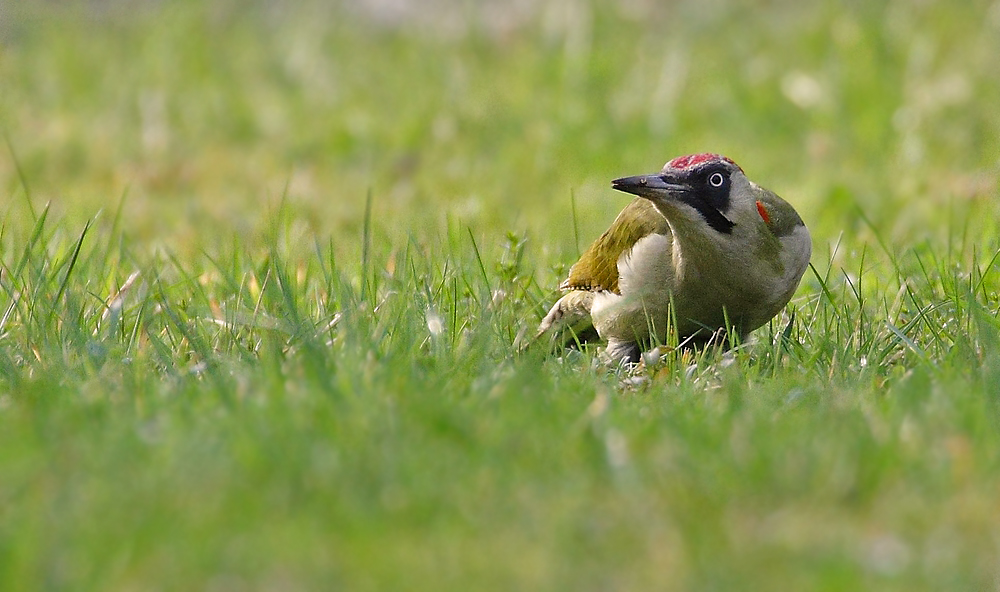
(597, 268)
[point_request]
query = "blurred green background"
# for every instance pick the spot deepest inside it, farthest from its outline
(207, 114)
(271, 406)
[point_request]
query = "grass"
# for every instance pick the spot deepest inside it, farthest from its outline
(261, 270)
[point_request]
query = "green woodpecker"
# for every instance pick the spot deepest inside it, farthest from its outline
(702, 248)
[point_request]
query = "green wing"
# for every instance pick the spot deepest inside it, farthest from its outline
(597, 269)
(784, 218)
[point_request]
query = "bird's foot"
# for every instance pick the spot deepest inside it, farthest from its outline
(626, 353)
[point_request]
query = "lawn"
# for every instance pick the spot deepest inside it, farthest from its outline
(262, 266)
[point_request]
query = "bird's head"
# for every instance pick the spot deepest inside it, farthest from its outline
(698, 191)
(712, 206)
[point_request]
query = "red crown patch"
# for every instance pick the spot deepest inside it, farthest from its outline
(693, 160)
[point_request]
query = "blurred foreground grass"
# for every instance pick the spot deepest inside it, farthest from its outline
(286, 397)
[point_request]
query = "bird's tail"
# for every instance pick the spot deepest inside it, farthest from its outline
(567, 322)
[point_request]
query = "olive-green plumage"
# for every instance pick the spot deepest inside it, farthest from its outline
(783, 218)
(597, 268)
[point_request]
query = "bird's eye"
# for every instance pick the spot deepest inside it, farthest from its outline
(716, 180)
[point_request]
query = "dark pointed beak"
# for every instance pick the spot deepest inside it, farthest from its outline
(654, 185)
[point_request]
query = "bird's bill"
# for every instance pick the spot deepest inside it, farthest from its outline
(653, 185)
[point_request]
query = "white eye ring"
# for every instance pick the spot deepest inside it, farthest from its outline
(716, 180)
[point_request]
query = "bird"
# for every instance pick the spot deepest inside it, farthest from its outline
(702, 249)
